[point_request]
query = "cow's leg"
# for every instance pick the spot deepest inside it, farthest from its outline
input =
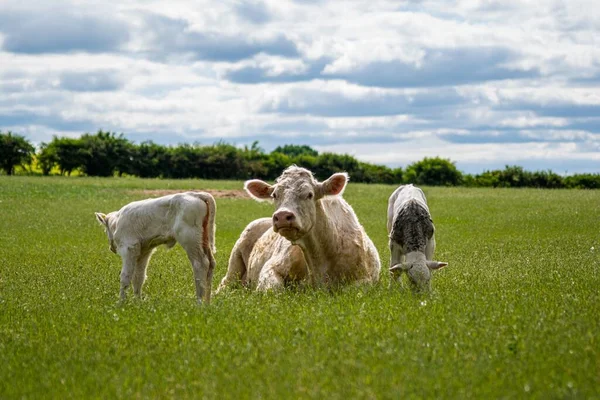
(190, 240)
(270, 278)
(139, 274)
(129, 256)
(236, 270)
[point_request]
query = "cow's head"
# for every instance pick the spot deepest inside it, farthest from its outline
(295, 194)
(418, 270)
(105, 221)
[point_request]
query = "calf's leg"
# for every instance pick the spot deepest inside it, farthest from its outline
(139, 274)
(211, 269)
(129, 255)
(201, 266)
(200, 261)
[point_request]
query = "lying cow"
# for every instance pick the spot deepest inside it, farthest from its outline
(313, 234)
(138, 228)
(411, 232)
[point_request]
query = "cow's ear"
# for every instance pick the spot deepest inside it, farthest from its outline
(101, 218)
(335, 184)
(436, 264)
(258, 189)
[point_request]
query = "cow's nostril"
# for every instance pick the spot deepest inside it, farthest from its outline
(275, 218)
(289, 217)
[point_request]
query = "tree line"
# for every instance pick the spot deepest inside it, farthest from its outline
(108, 154)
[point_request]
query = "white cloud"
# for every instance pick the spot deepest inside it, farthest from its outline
(484, 156)
(475, 81)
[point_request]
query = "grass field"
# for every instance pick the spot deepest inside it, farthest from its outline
(515, 314)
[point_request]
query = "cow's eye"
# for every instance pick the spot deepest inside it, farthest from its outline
(274, 195)
(310, 196)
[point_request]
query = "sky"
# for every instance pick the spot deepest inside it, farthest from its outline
(482, 83)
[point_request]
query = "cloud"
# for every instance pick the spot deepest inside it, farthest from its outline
(53, 122)
(339, 99)
(522, 136)
(439, 67)
(255, 12)
(97, 81)
(475, 158)
(482, 83)
(276, 71)
(172, 37)
(40, 31)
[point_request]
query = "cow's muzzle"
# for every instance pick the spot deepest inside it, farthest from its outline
(286, 224)
(284, 219)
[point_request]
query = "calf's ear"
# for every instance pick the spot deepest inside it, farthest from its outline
(258, 189)
(101, 218)
(399, 268)
(436, 264)
(334, 185)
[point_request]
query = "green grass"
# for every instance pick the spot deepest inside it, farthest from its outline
(515, 314)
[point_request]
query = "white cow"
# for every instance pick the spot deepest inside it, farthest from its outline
(411, 233)
(313, 234)
(138, 228)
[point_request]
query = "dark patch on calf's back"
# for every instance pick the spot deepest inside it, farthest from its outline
(412, 227)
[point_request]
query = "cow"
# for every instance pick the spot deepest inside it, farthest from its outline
(411, 237)
(313, 236)
(138, 228)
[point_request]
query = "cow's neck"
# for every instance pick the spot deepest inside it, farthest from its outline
(318, 245)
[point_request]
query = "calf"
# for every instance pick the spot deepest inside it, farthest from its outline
(411, 233)
(313, 234)
(138, 228)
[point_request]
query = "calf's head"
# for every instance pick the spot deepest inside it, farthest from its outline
(418, 271)
(103, 219)
(296, 194)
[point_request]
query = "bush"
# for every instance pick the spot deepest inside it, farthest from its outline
(434, 172)
(106, 153)
(583, 181)
(149, 160)
(14, 150)
(293, 150)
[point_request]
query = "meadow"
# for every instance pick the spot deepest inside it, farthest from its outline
(515, 314)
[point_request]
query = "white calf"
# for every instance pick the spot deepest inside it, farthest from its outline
(138, 228)
(411, 232)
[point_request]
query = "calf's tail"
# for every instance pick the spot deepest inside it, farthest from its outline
(208, 223)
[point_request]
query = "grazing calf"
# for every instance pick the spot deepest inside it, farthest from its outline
(138, 228)
(411, 232)
(313, 234)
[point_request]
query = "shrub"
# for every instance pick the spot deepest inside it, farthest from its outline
(14, 150)
(433, 171)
